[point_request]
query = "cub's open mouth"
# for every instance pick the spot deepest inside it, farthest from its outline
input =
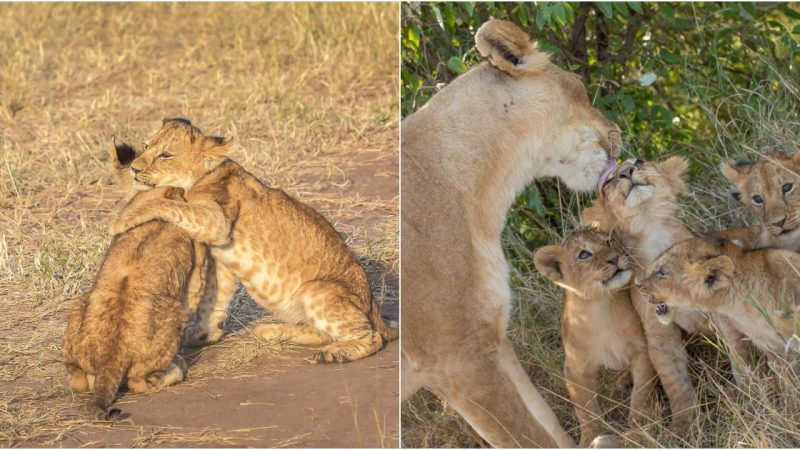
(661, 309)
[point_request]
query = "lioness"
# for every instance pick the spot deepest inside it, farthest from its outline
(758, 290)
(639, 204)
(599, 326)
(465, 155)
(290, 259)
(128, 327)
(768, 190)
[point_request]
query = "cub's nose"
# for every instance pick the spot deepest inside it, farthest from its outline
(626, 172)
(613, 260)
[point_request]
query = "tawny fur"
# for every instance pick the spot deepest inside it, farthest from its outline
(465, 154)
(757, 290)
(127, 329)
(640, 208)
(290, 259)
(599, 326)
(768, 189)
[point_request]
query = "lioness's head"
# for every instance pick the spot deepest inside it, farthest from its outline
(638, 189)
(544, 108)
(692, 274)
(767, 188)
(178, 155)
(585, 263)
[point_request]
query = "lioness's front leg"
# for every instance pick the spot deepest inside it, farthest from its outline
(204, 221)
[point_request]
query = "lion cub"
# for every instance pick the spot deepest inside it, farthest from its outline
(128, 327)
(600, 327)
(757, 290)
(291, 260)
(768, 190)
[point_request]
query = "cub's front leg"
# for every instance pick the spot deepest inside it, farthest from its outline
(204, 221)
(582, 387)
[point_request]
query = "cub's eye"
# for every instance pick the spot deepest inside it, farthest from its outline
(758, 200)
(660, 273)
(584, 255)
(788, 187)
(165, 155)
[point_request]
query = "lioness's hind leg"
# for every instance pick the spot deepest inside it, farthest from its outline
(332, 309)
(298, 334)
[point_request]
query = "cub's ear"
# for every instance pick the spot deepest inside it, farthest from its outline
(596, 216)
(122, 154)
(508, 48)
(217, 146)
(735, 171)
(714, 273)
(548, 262)
(674, 169)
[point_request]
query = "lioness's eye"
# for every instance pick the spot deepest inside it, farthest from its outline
(661, 273)
(758, 200)
(788, 187)
(584, 255)
(165, 155)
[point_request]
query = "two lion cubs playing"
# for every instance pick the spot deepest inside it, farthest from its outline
(169, 252)
(682, 283)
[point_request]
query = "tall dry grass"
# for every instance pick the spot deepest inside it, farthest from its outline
(308, 90)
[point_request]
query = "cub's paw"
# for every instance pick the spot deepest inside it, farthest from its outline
(332, 356)
(606, 441)
(199, 336)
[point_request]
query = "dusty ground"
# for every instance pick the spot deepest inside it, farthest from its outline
(310, 94)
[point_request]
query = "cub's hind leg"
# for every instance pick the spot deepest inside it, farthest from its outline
(78, 380)
(213, 308)
(298, 334)
(173, 374)
(644, 403)
(335, 311)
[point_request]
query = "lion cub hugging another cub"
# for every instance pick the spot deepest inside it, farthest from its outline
(127, 329)
(288, 256)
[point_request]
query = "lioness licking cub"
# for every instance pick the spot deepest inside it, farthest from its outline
(600, 327)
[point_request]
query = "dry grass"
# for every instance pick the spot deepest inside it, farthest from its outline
(308, 90)
(753, 120)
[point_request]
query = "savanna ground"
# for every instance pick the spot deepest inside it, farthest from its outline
(705, 81)
(310, 93)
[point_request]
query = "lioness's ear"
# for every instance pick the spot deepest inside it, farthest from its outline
(548, 262)
(714, 273)
(674, 168)
(122, 154)
(508, 48)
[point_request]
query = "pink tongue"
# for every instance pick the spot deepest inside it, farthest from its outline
(604, 176)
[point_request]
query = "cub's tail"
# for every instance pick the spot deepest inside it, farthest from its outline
(108, 378)
(387, 333)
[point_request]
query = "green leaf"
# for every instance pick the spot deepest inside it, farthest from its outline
(534, 200)
(523, 15)
(539, 20)
(560, 13)
(413, 35)
(438, 15)
(636, 6)
(470, 7)
(456, 65)
(606, 8)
